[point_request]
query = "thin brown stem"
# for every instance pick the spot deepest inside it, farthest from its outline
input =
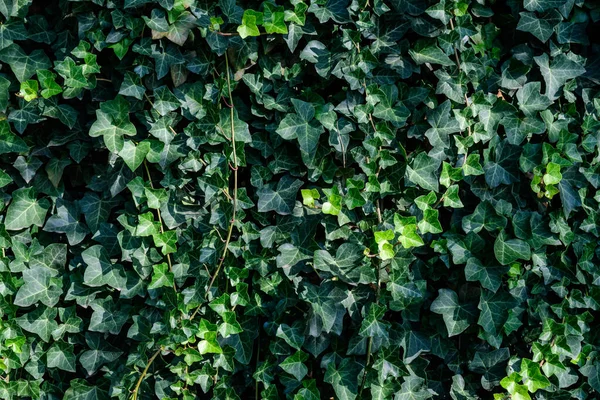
(136, 390)
(377, 293)
(149, 101)
(234, 201)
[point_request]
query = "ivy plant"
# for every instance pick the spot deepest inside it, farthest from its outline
(299, 199)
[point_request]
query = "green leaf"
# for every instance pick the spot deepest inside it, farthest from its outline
(413, 388)
(298, 16)
(372, 325)
(108, 317)
(80, 390)
(484, 216)
(164, 101)
(66, 220)
(410, 237)
(179, 30)
(209, 345)
(29, 90)
(100, 271)
(492, 365)
(156, 197)
(134, 155)
(25, 210)
(95, 210)
(423, 172)
(304, 128)
(504, 168)
(100, 353)
(242, 133)
(40, 285)
(167, 241)
(442, 125)
(282, 200)
(344, 378)
(132, 86)
(250, 22)
(72, 73)
(494, 310)
(541, 27)
(414, 344)
(274, 19)
(5, 179)
(293, 335)
(472, 165)
(47, 81)
(14, 8)
(309, 196)
(542, 5)
(294, 365)
(430, 222)
(508, 251)
(22, 65)
(40, 321)
(532, 376)
(552, 175)
(490, 277)
(344, 265)
(425, 51)
(455, 317)
(557, 73)
(4, 93)
(113, 123)
(161, 277)
(9, 142)
(60, 355)
(387, 108)
(331, 9)
(451, 198)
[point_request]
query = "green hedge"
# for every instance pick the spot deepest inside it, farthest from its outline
(300, 199)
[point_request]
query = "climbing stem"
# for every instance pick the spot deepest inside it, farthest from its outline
(136, 390)
(377, 293)
(234, 198)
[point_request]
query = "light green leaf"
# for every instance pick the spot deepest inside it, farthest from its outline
(40, 321)
(134, 155)
(132, 86)
(25, 210)
(423, 172)
(161, 277)
(100, 271)
(274, 19)
(61, 355)
(250, 22)
(425, 51)
(113, 123)
(294, 365)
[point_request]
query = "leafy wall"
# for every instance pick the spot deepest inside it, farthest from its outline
(302, 199)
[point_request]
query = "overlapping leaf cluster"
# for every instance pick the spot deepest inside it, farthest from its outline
(299, 199)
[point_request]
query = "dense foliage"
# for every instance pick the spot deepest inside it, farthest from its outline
(299, 199)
